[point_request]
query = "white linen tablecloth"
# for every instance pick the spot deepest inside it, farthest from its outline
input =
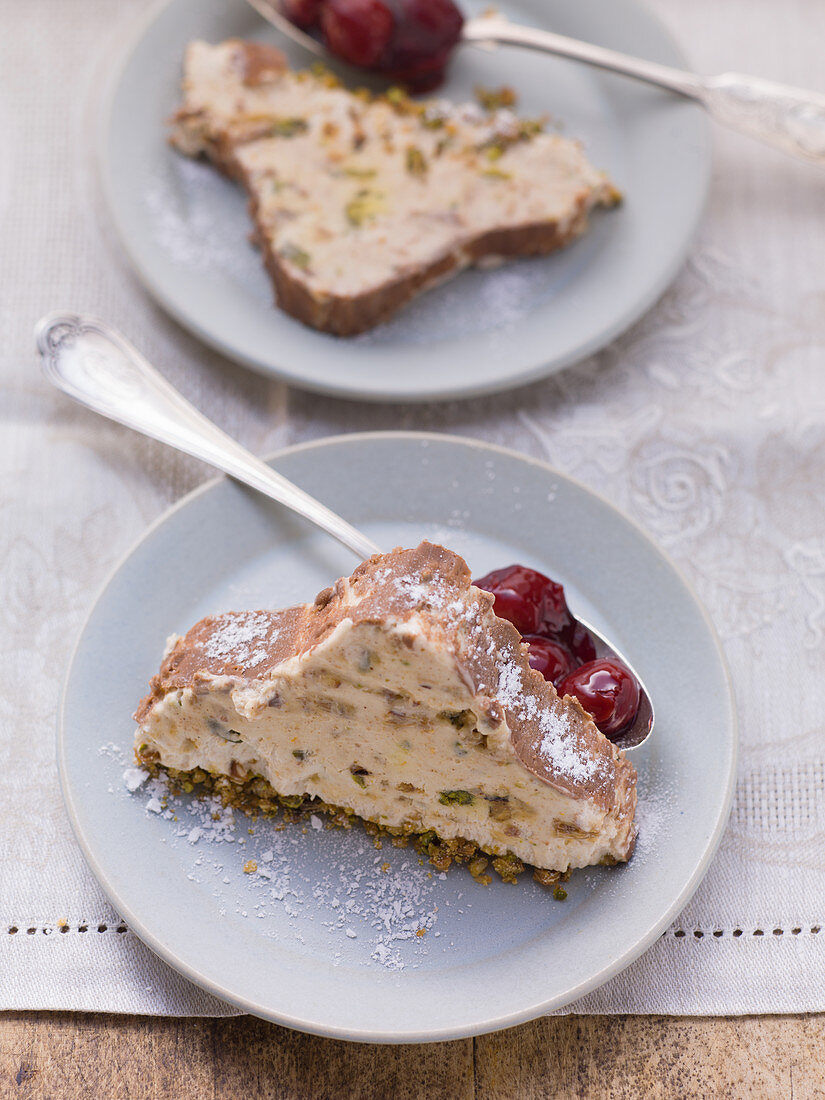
(706, 422)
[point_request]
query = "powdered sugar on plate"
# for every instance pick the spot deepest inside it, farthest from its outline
(134, 778)
(258, 869)
(495, 301)
(199, 219)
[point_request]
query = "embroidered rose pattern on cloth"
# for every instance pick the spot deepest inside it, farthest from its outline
(704, 423)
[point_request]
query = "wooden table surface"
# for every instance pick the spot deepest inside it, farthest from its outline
(66, 1056)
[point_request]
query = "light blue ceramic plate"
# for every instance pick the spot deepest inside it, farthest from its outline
(323, 937)
(185, 228)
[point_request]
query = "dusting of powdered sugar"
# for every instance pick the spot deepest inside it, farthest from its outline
(386, 900)
(198, 217)
(133, 778)
(457, 611)
(437, 596)
(241, 638)
(558, 746)
(417, 593)
(655, 817)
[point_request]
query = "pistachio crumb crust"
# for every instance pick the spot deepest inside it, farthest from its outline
(256, 797)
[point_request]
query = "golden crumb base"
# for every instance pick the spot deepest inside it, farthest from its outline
(257, 797)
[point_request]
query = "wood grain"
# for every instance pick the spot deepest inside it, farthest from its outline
(620, 1057)
(69, 1056)
(66, 1056)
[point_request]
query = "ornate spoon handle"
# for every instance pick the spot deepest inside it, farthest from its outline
(790, 119)
(93, 364)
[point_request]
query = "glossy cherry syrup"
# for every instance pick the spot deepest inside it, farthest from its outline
(580, 643)
(561, 648)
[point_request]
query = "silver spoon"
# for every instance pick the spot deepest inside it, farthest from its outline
(790, 119)
(92, 363)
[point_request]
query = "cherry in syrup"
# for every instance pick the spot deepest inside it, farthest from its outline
(520, 596)
(607, 690)
(549, 658)
(358, 31)
(426, 31)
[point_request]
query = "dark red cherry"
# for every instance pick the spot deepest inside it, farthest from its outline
(357, 31)
(549, 658)
(608, 690)
(425, 33)
(518, 592)
(303, 13)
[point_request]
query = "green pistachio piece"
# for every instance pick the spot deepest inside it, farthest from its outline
(455, 798)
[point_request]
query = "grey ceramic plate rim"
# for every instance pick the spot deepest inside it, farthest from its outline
(632, 950)
(533, 369)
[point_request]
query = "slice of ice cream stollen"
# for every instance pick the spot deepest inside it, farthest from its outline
(400, 697)
(360, 203)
